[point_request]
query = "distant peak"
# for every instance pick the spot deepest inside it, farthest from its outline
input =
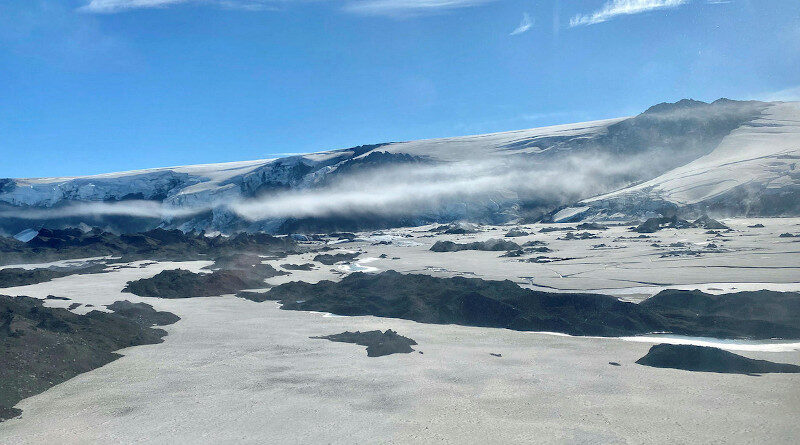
(691, 104)
(682, 104)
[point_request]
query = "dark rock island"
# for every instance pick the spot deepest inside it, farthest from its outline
(708, 359)
(378, 343)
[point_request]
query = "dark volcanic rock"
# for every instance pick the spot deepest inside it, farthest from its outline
(378, 343)
(755, 314)
(247, 266)
(45, 346)
(239, 272)
(673, 222)
(331, 259)
(457, 229)
(468, 301)
(513, 253)
(304, 266)
(515, 233)
(493, 245)
(591, 226)
(9, 413)
(258, 297)
(541, 259)
(583, 235)
(708, 359)
(142, 313)
(534, 243)
(655, 224)
(157, 244)
(180, 283)
(503, 304)
(11, 277)
(555, 229)
(707, 223)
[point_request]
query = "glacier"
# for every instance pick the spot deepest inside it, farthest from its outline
(725, 157)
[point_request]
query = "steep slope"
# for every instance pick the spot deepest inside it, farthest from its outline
(753, 171)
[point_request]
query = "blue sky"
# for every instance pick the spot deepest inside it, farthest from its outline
(93, 86)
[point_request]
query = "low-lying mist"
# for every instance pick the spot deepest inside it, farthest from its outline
(394, 190)
(526, 178)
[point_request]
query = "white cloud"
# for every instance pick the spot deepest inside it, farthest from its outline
(363, 7)
(614, 8)
(787, 95)
(111, 6)
(408, 7)
(524, 25)
(395, 190)
(114, 6)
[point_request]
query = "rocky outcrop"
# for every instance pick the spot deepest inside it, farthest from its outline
(12, 276)
(503, 304)
(492, 245)
(331, 259)
(179, 283)
(156, 244)
(45, 346)
(708, 359)
(752, 314)
(378, 343)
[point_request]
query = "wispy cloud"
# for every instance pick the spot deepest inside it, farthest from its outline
(111, 6)
(114, 6)
(615, 8)
(460, 188)
(362, 7)
(787, 95)
(408, 7)
(524, 25)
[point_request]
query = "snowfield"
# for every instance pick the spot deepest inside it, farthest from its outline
(763, 155)
(232, 370)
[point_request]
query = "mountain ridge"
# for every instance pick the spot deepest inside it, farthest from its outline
(609, 169)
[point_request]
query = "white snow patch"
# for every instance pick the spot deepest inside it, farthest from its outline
(569, 212)
(731, 345)
(359, 266)
(26, 235)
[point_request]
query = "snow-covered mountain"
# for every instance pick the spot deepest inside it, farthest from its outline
(755, 170)
(728, 156)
